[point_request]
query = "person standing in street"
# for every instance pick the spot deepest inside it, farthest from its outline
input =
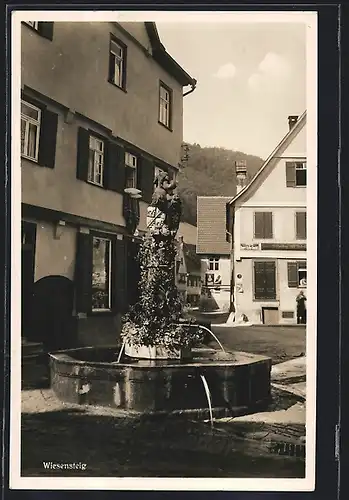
(301, 309)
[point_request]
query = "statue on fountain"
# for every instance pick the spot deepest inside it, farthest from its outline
(152, 328)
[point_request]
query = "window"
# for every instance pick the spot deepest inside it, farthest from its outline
(30, 131)
(296, 174)
(301, 225)
(158, 171)
(297, 274)
(165, 106)
(264, 280)
(33, 24)
(117, 63)
(96, 161)
(263, 225)
(131, 170)
(213, 264)
(101, 274)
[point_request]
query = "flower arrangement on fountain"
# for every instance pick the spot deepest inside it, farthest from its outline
(155, 320)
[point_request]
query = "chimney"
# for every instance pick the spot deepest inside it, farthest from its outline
(292, 120)
(241, 173)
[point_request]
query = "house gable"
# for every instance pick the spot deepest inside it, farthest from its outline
(269, 184)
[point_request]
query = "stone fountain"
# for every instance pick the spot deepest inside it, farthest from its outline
(162, 366)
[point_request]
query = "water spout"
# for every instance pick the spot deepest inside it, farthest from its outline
(121, 351)
(207, 330)
(208, 396)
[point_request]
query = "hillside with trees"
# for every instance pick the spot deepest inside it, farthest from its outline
(210, 171)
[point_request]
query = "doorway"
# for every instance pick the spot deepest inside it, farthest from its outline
(270, 315)
(52, 306)
(27, 275)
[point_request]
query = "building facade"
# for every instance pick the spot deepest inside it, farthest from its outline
(188, 273)
(213, 248)
(267, 219)
(101, 112)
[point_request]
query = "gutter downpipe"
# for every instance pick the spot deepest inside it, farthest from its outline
(193, 87)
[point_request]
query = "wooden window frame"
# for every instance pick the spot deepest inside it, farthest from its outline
(168, 125)
(129, 166)
(304, 167)
(29, 120)
(215, 261)
(123, 59)
(91, 176)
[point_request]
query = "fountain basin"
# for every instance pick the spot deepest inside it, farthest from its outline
(238, 382)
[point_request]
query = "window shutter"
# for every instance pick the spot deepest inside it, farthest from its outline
(48, 138)
(46, 30)
(114, 173)
(301, 225)
(268, 225)
(292, 273)
(259, 280)
(124, 68)
(270, 285)
(119, 276)
(83, 272)
(259, 225)
(82, 154)
(146, 179)
(290, 174)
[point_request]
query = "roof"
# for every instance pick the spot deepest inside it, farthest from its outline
(163, 58)
(192, 260)
(211, 224)
(290, 134)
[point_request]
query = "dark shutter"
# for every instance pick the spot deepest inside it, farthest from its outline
(46, 30)
(268, 225)
(48, 138)
(114, 173)
(124, 67)
(82, 154)
(290, 174)
(264, 280)
(270, 282)
(301, 225)
(83, 272)
(119, 276)
(259, 280)
(292, 274)
(259, 225)
(146, 177)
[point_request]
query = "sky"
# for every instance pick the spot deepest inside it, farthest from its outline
(251, 77)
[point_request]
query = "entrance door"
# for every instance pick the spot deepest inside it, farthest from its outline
(270, 316)
(28, 266)
(53, 320)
